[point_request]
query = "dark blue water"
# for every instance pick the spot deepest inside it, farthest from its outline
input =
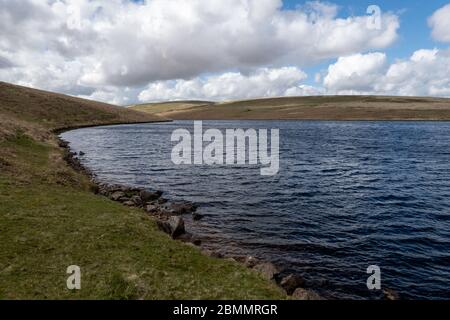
(348, 195)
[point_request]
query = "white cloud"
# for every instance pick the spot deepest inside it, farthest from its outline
(263, 82)
(425, 73)
(121, 51)
(82, 46)
(355, 73)
(440, 24)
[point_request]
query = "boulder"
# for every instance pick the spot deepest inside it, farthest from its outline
(129, 203)
(250, 261)
(292, 282)
(268, 270)
(174, 226)
(151, 208)
(63, 144)
(162, 201)
(189, 238)
(147, 196)
(213, 254)
(303, 294)
(179, 208)
(136, 200)
(390, 294)
(81, 153)
(117, 195)
(197, 216)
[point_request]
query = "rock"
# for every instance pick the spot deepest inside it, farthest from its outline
(189, 238)
(81, 153)
(162, 201)
(250, 261)
(179, 208)
(129, 203)
(197, 216)
(213, 254)
(151, 208)
(117, 195)
(186, 207)
(177, 225)
(292, 282)
(63, 144)
(136, 200)
(390, 294)
(174, 226)
(303, 294)
(267, 269)
(148, 196)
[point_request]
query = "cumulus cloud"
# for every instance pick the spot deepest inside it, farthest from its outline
(264, 82)
(92, 46)
(355, 73)
(440, 24)
(424, 73)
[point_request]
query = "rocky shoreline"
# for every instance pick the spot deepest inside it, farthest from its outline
(169, 219)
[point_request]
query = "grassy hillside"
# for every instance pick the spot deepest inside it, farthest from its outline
(313, 108)
(169, 107)
(37, 110)
(50, 220)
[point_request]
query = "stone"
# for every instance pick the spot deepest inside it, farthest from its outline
(117, 195)
(213, 254)
(151, 208)
(304, 294)
(177, 226)
(179, 208)
(137, 200)
(267, 270)
(250, 261)
(390, 294)
(174, 226)
(147, 196)
(129, 203)
(197, 216)
(162, 201)
(292, 282)
(81, 153)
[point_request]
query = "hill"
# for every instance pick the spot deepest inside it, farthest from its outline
(34, 110)
(310, 108)
(49, 219)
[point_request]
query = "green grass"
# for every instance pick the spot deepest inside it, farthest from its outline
(49, 221)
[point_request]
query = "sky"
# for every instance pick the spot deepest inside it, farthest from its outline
(127, 52)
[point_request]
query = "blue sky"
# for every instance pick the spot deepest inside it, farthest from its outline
(414, 31)
(127, 52)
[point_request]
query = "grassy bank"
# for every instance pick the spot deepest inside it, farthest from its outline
(50, 220)
(307, 108)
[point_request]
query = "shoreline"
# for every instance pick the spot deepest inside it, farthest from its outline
(168, 216)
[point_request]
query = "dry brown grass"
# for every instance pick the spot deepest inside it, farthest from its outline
(313, 108)
(38, 112)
